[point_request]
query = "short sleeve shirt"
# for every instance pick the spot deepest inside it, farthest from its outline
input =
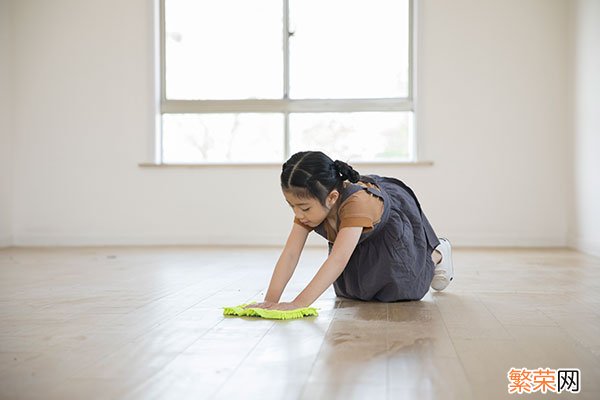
(362, 209)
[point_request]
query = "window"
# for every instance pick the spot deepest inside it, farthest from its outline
(256, 81)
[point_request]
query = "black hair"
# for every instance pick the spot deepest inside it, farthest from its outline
(312, 174)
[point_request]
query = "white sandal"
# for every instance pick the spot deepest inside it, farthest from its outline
(444, 271)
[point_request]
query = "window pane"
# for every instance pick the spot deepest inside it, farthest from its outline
(226, 49)
(190, 138)
(362, 136)
(349, 48)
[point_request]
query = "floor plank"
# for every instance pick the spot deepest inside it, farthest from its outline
(147, 323)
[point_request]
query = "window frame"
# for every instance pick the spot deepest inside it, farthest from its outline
(284, 105)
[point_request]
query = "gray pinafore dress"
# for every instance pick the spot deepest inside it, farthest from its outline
(392, 261)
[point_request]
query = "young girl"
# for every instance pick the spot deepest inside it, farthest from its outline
(381, 245)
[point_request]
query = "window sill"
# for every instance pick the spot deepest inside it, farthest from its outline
(265, 164)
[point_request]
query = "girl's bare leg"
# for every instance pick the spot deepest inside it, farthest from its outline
(436, 256)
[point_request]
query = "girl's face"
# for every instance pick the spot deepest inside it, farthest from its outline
(310, 211)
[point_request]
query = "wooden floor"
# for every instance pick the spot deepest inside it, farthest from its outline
(147, 323)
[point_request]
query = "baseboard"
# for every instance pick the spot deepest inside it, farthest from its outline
(5, 241)
(472, 239)
(154, 240)
(457, 240)
(591, 247)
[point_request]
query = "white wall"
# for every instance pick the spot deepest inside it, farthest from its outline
(492, 116)
(6, 122)
(584, 232)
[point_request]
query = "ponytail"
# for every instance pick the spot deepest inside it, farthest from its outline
(347, 172)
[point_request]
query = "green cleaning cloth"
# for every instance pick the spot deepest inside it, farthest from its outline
(269, 314)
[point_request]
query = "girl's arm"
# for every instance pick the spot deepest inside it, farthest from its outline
(343, 247)
(287, 263)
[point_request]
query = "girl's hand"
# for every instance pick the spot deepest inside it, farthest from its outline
(286, 306)
(264, 304)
